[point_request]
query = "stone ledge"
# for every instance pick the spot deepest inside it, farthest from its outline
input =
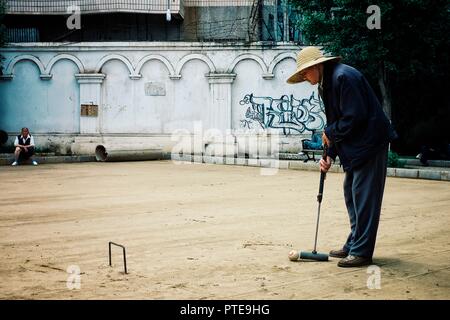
(432, 163)
(438, 175)
(42, 159)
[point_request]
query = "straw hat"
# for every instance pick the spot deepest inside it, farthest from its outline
(306, 58)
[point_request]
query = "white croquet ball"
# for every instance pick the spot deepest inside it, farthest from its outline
(293, 255)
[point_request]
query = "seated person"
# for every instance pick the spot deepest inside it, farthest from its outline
(24, 144)
(315, 143)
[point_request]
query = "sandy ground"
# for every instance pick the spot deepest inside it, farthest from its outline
(209, 232)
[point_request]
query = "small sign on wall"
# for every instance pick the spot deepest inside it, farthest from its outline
(155, 89)
(89, 110)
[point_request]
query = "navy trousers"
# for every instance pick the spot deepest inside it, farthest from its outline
(363, 193)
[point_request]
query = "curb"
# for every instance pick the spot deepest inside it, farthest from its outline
(52, 159)
(438, 175)
(432, 163)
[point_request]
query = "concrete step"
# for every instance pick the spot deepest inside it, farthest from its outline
(8, 156)
(413, 173)
(41, 159)
(429, 173)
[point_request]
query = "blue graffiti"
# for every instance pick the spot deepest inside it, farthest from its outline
(286, 113)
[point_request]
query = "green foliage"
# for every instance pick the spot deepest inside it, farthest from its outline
(394, 161)
(340, 26)
(411, 50)
(411, 33)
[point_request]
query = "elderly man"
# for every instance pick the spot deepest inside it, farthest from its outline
(358, 132)
(24, 144)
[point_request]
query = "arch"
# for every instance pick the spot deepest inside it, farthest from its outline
(248, 56)
(12, 63)
(109, 57)
(149, 57)
(194, 56)
(279, 58)
(64, 56)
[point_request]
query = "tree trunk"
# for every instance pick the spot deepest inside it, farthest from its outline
(385, 91)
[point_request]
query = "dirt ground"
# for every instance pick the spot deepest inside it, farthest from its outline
(202, 231)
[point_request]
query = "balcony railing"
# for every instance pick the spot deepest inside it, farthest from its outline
(218, 3)
(94, 6)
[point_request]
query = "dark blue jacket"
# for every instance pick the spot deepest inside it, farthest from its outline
(356, 123)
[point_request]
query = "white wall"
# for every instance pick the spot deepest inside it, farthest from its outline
(44, 84)
(43, 106)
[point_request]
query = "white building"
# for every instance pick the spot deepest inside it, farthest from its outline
(73, 93)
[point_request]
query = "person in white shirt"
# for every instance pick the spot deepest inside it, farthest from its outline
(24, 144)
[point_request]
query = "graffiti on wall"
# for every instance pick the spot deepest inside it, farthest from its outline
(286, 113)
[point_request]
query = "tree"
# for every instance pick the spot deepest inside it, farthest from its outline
(406, 57)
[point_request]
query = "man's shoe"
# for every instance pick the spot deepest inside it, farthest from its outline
(14, 163)
(35, 163)
(338, 253)
(354, 261)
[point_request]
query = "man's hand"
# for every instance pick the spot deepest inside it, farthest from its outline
(325, 165)
(325, 139)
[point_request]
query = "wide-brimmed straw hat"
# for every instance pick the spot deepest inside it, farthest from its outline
(306, 58)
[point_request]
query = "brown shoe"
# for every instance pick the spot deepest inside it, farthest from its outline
(338, 253)
(354, 261)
